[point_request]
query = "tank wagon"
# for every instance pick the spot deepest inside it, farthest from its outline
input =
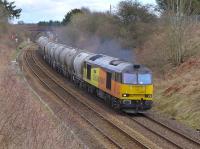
(122, 85)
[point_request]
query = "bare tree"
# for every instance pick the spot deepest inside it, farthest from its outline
(180, 22)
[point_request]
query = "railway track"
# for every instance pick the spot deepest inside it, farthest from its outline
(116, 134)
(170, 135)
(183, 135)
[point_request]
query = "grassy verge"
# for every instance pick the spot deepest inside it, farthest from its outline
(181, 108)
(24, 122)
(179, 95)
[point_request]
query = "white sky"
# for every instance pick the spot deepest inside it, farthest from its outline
(34, 11)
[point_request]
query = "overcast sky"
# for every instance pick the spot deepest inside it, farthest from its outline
(34, 11)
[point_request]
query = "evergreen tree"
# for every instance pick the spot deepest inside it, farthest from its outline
(10, 8)
(70, 14)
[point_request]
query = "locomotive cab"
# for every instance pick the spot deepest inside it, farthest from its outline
(136, 89)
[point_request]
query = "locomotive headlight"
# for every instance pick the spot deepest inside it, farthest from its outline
(125, 95)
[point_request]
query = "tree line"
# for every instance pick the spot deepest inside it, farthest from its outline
(128, 11)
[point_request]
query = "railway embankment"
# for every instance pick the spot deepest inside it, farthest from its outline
(24, 121)
(176, 92)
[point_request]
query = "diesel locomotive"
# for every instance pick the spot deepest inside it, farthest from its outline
(122, 85)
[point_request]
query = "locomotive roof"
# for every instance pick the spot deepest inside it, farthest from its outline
(109, 63)
(115, 64)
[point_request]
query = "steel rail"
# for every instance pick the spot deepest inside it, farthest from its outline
(172, 130)
(63, 100)
(89, 107)
(190, 139)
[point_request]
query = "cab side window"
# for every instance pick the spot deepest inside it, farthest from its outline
(88, 72)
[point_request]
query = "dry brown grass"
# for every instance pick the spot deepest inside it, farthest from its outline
(177, 88)
(178, 95)
(24, 122)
